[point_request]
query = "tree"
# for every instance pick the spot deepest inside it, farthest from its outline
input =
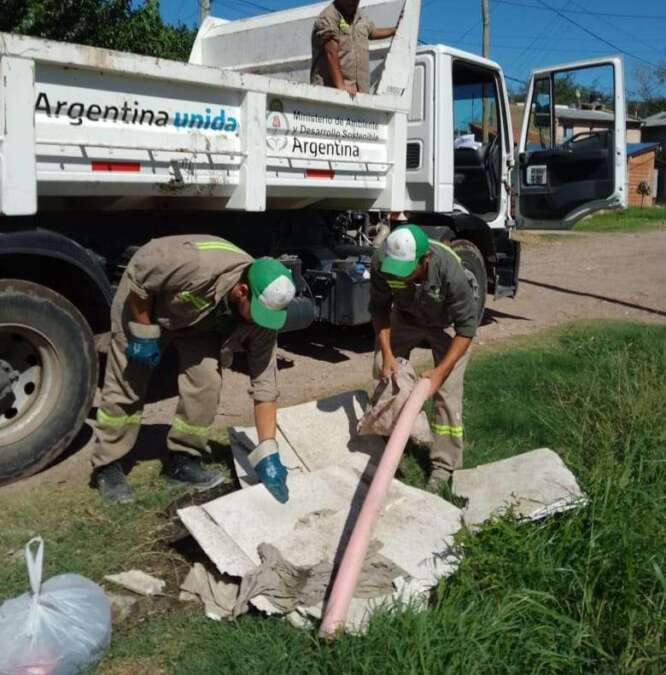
(649, 92)
(112, 24)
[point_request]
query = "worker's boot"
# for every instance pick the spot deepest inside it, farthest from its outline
(112, 484)
(186, 470)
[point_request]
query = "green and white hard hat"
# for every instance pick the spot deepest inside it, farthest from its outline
(272, 290)
(404, 247)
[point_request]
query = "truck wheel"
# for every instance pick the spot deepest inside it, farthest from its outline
(475, 269)
(48, 358)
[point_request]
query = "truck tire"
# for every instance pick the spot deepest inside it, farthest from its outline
(475, 269)
(48, 352)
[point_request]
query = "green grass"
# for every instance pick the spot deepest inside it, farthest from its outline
(582, 592)
(633, 219)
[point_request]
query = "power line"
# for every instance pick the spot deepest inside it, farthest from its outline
(462, 36)
(514, 3)
(521, 58)
(623, 30)
(505, 45)
(256, 5)
(595, 35)
(519, 36)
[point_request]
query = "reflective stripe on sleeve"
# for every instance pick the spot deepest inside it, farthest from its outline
(179, 424)
(218, 246)
(106, 420)
(196, 300)
(445, 430)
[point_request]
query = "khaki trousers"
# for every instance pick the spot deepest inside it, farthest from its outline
(446, 419)
(125, 385)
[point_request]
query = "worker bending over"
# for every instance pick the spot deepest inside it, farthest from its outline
(209, 299)
(340, 47)
(418, 289)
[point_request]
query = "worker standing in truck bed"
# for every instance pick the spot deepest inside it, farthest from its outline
(418, 288)
(340, 47)
(208, 298)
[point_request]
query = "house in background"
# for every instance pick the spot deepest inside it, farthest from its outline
(570, 121)
(654, 131)
(641, 171)
(590, 117)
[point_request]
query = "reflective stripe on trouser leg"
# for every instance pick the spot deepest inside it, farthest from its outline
(447, 409)
(116, 432)
(199, 384)
(119, 412)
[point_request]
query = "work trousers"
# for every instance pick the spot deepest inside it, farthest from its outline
(447, 410)
(125, 384)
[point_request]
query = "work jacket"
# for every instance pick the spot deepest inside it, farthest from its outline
(445, 298)
(353, 48)
(188, 278)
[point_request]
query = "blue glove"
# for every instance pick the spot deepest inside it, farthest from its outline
(143, 345)
(270, 470)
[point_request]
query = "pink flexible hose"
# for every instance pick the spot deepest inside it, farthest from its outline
(357, 548)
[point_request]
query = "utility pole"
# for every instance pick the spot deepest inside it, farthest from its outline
(204, 10)
(487, 89)
(485, 18)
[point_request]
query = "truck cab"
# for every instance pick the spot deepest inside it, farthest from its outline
(474, 171)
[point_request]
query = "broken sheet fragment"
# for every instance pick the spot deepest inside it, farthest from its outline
(532, 485)
(323, 433)
(312, 436)
(138, 581)
(415, 532)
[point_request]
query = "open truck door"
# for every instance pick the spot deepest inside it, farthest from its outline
(572, 150)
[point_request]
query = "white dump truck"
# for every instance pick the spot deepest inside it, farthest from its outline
(100, 151)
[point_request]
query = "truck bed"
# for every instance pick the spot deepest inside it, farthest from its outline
(117, 130)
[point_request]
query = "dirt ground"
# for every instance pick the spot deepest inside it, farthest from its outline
(563, 277)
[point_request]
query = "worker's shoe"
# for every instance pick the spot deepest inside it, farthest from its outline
(112, 484)
(186, 470)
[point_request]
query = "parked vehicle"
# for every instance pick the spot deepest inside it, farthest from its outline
(100, 151)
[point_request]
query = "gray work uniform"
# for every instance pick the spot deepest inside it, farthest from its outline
(353, 48)
(421, 313)
(188, 279)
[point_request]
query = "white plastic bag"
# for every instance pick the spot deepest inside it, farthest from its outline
(62, 626)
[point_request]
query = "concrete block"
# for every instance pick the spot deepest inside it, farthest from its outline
(533, 485)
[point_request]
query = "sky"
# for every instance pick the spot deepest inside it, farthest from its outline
(524, 34)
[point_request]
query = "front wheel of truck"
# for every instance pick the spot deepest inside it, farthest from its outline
(475, 270)
(48, 374)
